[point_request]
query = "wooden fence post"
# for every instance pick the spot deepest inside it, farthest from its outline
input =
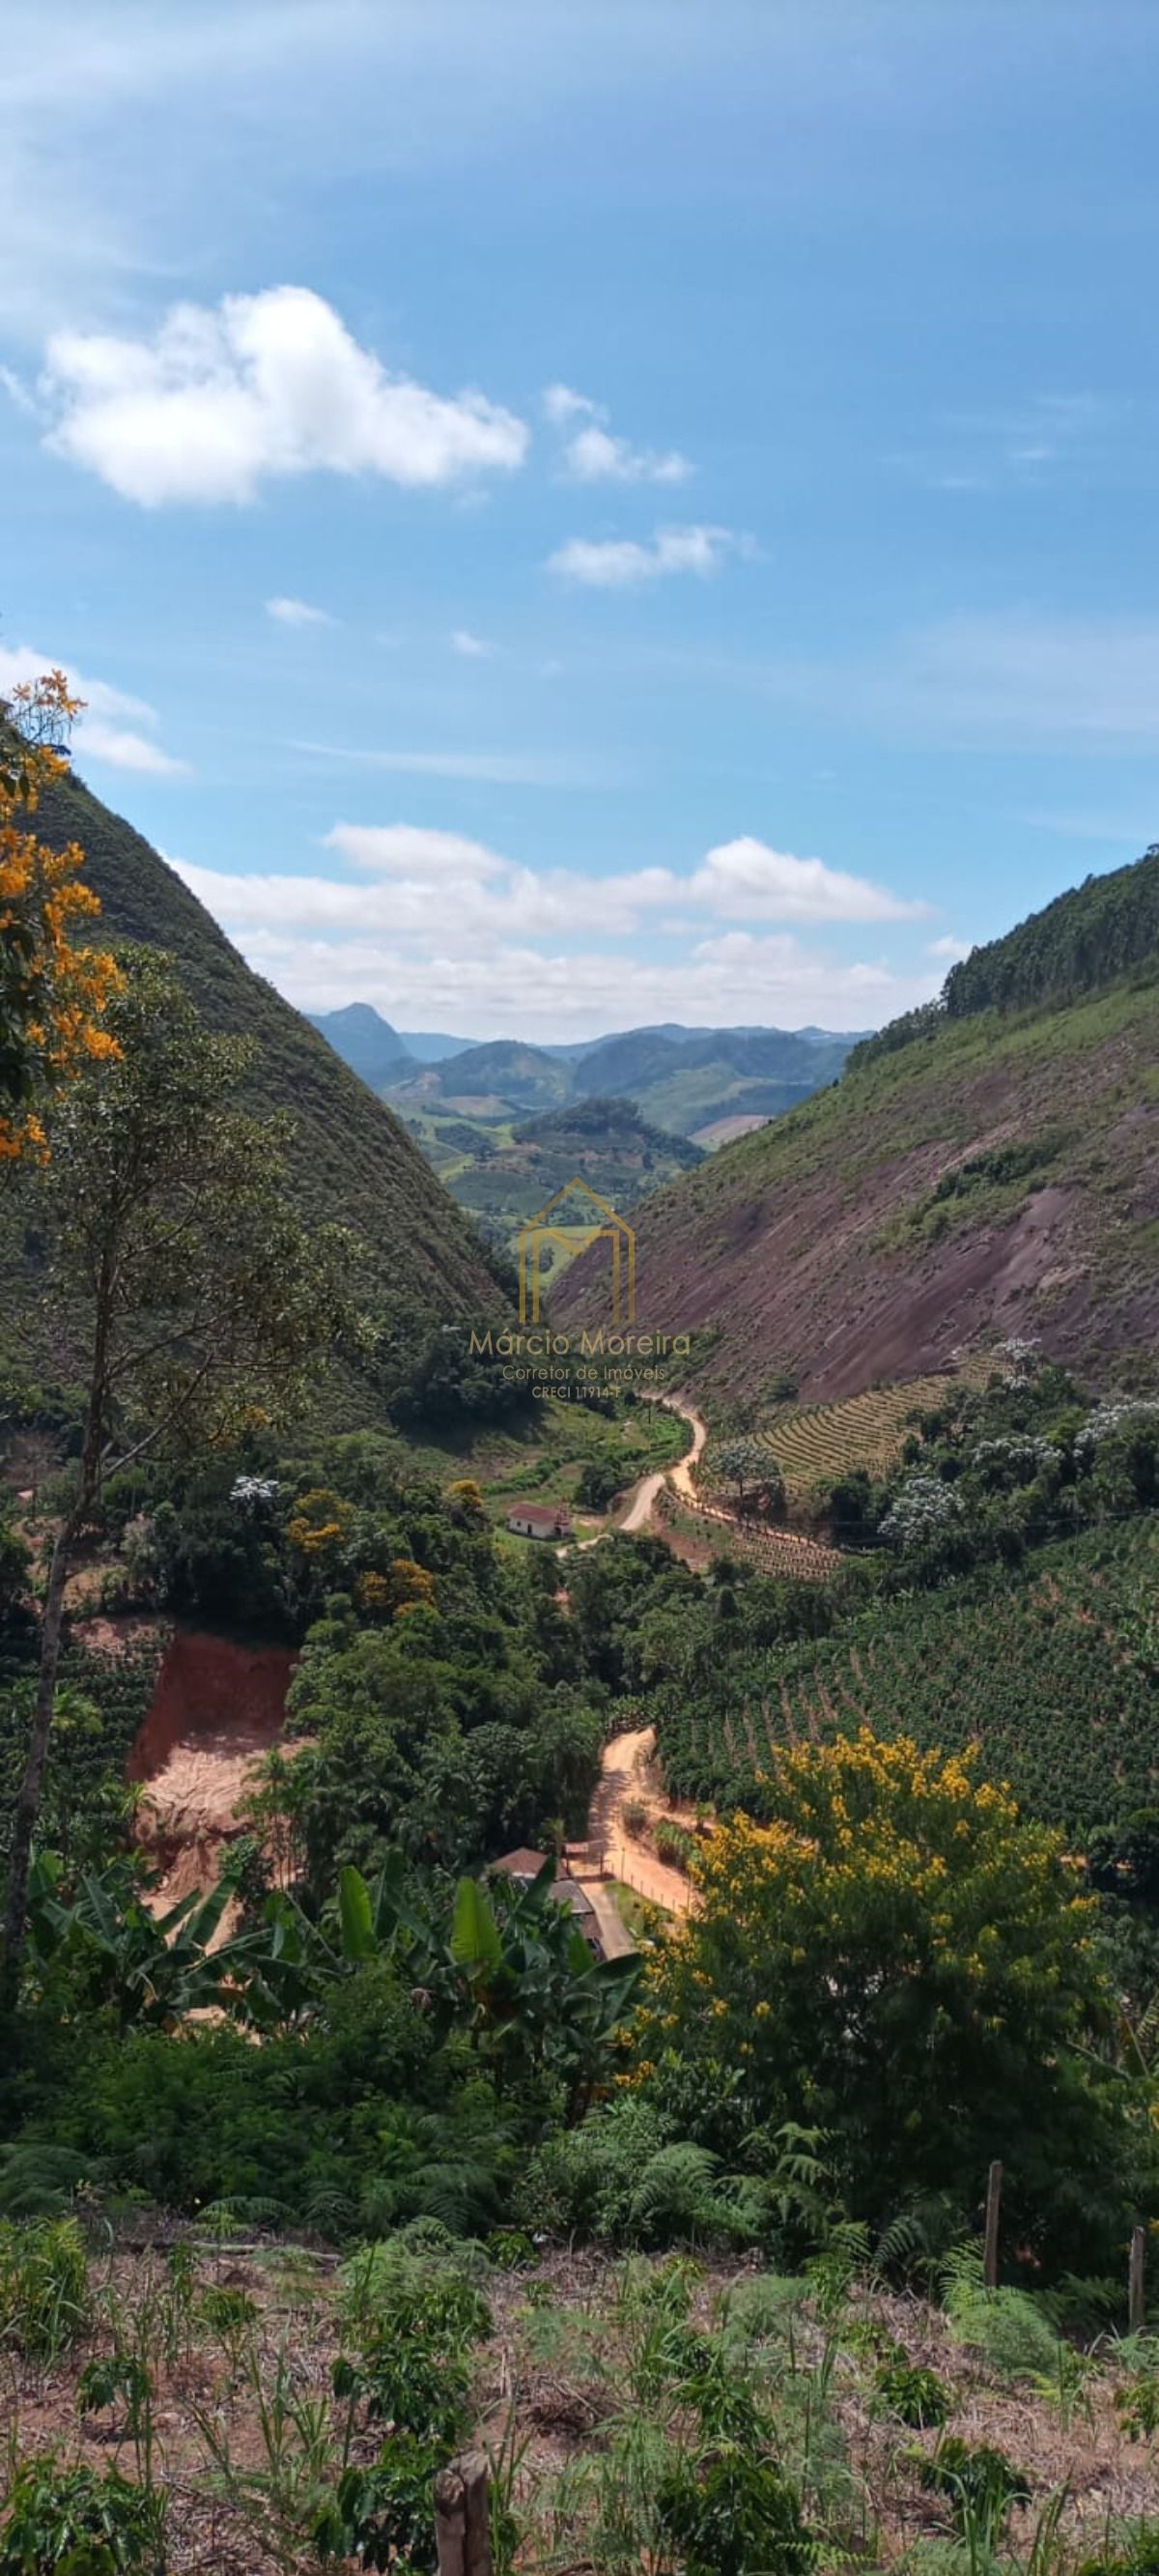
(462, 2517)
(993, 2214)
(1137, 2295)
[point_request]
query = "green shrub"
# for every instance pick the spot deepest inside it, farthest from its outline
(382, 2516)
(740, 2518)
(915, 2395)
(71, 2522)
(44, 2301)
(411, 2383)
(980, 2483)
(387, 2290)
(1004, 2325)
(510, 2249)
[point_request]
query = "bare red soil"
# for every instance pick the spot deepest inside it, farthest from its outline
(216, 1709)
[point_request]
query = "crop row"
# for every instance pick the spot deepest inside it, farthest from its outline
(814, 1444)
(1051, 1673)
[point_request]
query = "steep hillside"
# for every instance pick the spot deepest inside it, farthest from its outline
(974, 1171)
(352, 1159)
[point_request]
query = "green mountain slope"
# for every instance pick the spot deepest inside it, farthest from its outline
(974, 1172)
(351, 1158)
(503, 1074)
(1044, 1667)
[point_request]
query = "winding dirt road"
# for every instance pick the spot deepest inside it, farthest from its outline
(639, 1511)
(625, 1777)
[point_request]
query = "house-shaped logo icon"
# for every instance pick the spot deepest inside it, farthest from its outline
(576, 1217)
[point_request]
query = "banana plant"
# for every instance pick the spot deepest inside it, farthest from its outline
(152, 1968)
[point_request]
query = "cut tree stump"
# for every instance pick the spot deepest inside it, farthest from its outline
(462, 2517)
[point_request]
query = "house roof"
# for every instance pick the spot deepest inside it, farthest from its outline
(548, 1513)
(521, 1864)
(566, 1892)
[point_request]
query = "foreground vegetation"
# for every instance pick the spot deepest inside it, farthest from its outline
(259, 2410)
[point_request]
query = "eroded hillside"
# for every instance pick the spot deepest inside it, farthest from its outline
(998, 1174)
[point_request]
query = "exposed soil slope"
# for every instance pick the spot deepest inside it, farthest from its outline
(216, 1708)
(880, 1227)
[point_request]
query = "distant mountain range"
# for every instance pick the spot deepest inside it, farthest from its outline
(688, 1081)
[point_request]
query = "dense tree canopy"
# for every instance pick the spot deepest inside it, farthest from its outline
(897, 1957)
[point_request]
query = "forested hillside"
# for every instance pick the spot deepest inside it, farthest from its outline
(1103, 928)
(352, 1159)
(974, 1171)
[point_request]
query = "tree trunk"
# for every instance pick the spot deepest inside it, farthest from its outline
(32, 1784)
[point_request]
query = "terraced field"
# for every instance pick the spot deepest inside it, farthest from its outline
(1054, 1672)
(816, 1443)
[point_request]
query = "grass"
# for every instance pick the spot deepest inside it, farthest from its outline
(591, 2381)
(547, 1454)
(636, 1915)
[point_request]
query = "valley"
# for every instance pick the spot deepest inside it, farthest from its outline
(476, 1820)
(579, 1289)
(506, 1124)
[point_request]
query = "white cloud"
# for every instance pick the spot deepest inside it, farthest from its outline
(623, 563)
(119, 749)
(474, 648)
(536, 950)
(100, 733)
(297, 612)
(948, 949)
(562, 406)
(265, 386)
(746, 880)
(593, 455)
(515, 988)
(406, 850)
(493, 768)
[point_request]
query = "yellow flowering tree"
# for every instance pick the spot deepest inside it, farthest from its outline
(53, 987)
(897, 1957)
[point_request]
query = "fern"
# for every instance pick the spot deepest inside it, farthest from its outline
(40, 2181)
(1004, 2325)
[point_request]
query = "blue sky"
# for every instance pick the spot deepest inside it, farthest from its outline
(578, 512)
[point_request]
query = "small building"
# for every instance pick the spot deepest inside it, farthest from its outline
(523, 1868)
(567, 1891)
(540, 1520)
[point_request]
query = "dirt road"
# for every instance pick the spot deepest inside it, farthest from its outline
(626, 1776)
(639, 1511)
